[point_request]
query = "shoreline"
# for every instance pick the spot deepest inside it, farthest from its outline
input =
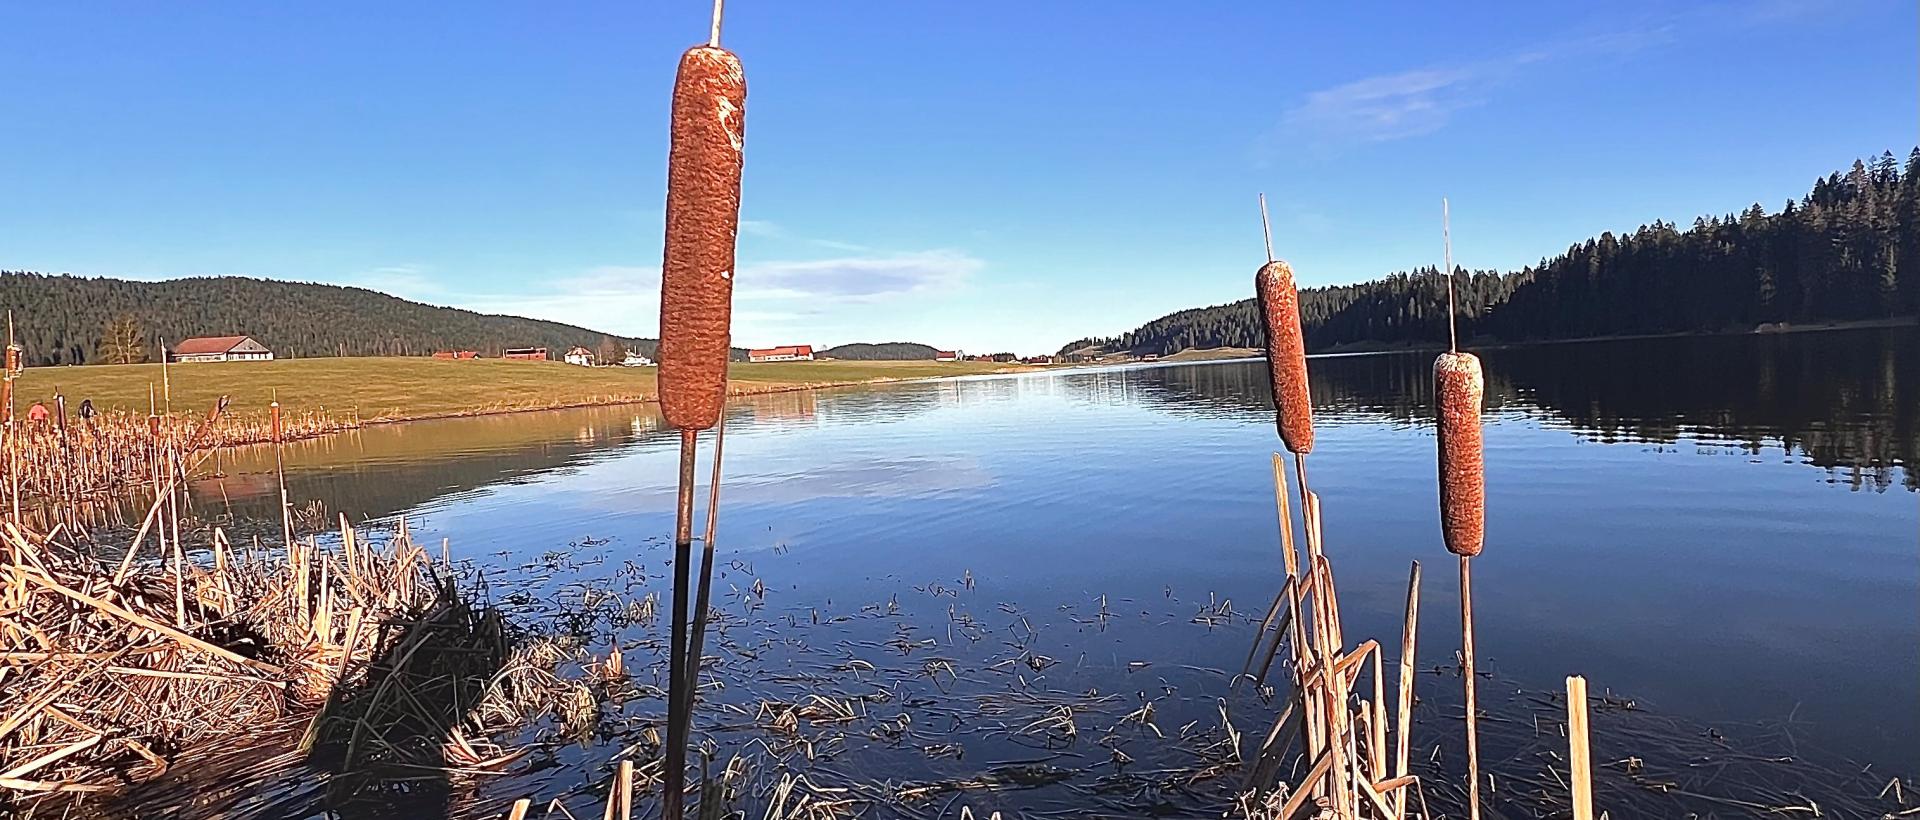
(1171, 360)
(764, 389)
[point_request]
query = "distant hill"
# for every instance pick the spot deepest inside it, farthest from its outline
(1847, 251)
(884, 351)
(62, 319)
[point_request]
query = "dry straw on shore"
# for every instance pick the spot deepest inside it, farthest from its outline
(106, 671)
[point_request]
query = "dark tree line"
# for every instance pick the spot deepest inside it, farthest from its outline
(1848, 250)
(883, 351)
(72, 320)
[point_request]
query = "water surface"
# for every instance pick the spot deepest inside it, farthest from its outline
(1727, 528)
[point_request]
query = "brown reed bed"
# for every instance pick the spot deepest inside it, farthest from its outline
(108, 673)
(75, 472)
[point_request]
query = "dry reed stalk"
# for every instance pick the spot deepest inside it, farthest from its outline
(623, 788)
(1303, 657)
(1404, 731)
(1580, 755)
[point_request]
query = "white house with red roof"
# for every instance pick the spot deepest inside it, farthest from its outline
(220, 349)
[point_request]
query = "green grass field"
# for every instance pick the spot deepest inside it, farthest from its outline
(419, 387)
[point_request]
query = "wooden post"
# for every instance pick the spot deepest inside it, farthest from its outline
(1580, 758)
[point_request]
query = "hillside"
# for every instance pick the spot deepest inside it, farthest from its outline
(1847, 251)
(884, 351)
(63, 319)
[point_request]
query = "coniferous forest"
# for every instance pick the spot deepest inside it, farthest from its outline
(1849, 250)
(883, 351)
(76, 320)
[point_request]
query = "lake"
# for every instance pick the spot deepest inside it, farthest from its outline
(1726, 529)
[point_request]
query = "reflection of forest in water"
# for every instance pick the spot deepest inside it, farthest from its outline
(1848, 401)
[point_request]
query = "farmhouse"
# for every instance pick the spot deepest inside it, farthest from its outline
(786, 353)
(527, 353)
(946, 356)
(220, 349)
(580, 356)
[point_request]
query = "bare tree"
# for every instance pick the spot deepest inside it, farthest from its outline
(121, 343)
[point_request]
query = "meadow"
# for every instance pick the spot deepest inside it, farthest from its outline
(398, 388)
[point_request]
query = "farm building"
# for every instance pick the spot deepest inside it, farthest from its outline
(946, 356)
(457, 354)
(785, 353)
(635, 360)
(220, 349)
(580, 356)
(538, 354)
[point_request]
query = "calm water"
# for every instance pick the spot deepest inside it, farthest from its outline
(1726, 528)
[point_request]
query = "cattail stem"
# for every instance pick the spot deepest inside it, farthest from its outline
(1466, 668)
(695, 646)
(1446, 244)
(1300, 472)
(675, 776)
(1266, 228)
(713, 39)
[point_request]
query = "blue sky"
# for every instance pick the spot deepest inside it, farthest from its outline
(984, 175)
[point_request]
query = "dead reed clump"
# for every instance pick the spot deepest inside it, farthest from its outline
(106, 674)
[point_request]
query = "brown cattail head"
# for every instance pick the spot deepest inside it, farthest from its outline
(703, 218)
(1457, 390)
(275, 409)
(1286, 355)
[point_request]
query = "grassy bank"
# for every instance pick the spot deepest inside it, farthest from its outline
(417, 387)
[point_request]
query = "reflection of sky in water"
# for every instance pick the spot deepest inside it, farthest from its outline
(1705, 560)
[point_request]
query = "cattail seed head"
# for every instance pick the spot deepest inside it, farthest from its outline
(703, 220)
(1457, 391)
(1286, 355)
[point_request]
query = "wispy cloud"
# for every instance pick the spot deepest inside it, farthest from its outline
(1420, 101)
(859, 278)
(762, 229)
(1388, 107)
(770, 298)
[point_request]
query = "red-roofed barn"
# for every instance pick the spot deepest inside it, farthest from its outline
(785, 353)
